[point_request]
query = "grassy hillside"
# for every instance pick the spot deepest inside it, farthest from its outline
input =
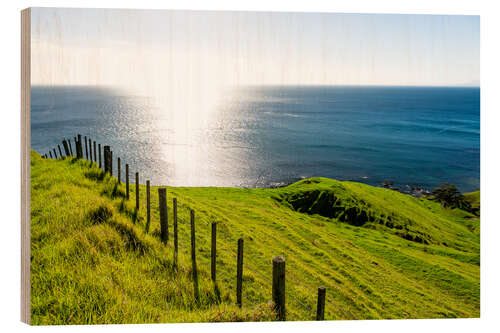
(379, 253)
(474, 200)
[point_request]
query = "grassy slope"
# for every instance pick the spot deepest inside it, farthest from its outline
(474, 199)
(93, 263)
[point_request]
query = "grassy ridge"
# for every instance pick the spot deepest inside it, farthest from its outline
(380, 254)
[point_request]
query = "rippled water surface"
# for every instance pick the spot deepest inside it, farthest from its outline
(262, 136)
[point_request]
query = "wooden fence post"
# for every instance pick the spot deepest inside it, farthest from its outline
(107, 150)
(162, 201)
(110, 162)
(90, 151)
(100, 164)
(119, 172)
(79, 147)
(213, 252)
(55, 154)
(176, 253)
(76, 146)
(148, 205)
(137, 190)
(60, 152)
(126, 177)
(70, 149)
(50, 154)
(193, 258)
(279, 286)
(86, 149)
(320, 312)
(68, 143)
(95, 154)
(239, 273)
(65, 146)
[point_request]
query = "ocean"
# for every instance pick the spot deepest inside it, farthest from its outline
(266, 136)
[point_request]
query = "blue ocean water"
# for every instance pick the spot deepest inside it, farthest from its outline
(264, 136)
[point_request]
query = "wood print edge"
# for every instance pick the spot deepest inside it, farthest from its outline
(25, 164)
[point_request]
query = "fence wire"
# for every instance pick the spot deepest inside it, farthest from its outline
(295, 283)
(231, 253)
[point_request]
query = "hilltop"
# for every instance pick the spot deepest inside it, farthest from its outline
(378, 252)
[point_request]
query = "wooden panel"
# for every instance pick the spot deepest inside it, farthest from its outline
(25, 163)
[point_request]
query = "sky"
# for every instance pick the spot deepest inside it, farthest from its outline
(162, 52)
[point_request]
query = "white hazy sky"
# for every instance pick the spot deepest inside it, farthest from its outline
(154, 51)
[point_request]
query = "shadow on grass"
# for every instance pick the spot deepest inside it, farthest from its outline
(133, 213)
(112, 190)
(100, 215)
(73, 160)
(94, 174)
(218, 298)
(129, 235)
(117, 192)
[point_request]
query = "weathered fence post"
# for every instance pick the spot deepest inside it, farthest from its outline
(60, 152)
(279, 286)
(148, 205)
(90, 151)
(68, 143)
(320, 312)
(119, 172)
(107, 151)
(162, 201)
(66, 149)
(79, 147)
(100, 164)
(126, 180)
(213, 251)
(175, 234)
(239, 273)
(70, 149)
(86, 149)
(111, 162)
(76, 146)
(137, 190)
(55, 154)
(95, 154)
(50, 154)
(193, 258)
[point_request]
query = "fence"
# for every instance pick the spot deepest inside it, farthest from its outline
(278, 278)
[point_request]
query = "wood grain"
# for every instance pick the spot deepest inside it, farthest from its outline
(25, 163)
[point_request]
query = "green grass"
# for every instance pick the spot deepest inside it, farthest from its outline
(474, 199)
(379, 253)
